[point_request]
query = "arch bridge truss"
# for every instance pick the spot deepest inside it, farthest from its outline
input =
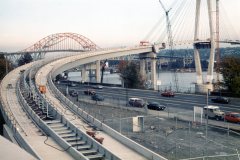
(59, 42)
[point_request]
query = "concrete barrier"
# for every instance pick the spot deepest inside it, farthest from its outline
(121, 138)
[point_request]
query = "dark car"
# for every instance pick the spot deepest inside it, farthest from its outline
(155, 106)
(89, 92)
(97, 97)
(167, 94)
(232, 117)
(73, 93)
(220, 100)
(136, 102)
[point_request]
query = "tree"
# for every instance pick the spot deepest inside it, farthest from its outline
(130, 74)
(230, 69)
(3, 64)
(26, 58)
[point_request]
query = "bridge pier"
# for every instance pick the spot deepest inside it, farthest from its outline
(151, 56)
(143, 68)
(83, 73)
(213, 46)
(97, 72)
(153, 71)
(200, 86)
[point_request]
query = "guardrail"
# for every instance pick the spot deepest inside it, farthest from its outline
(14, 125)
(107, 154)
(123, 139)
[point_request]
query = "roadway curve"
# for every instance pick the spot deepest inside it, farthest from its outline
(56, 67)
(22, 129)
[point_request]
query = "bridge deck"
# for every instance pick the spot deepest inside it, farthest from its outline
(110, 143)
(27, 129)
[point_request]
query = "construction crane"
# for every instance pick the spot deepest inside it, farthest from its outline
(170, 40)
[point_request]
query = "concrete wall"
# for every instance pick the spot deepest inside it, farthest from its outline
(123, 139)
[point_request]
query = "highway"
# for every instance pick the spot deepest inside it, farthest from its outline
(112, 113)
(178, 103)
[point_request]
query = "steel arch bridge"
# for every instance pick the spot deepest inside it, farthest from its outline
(59, 42)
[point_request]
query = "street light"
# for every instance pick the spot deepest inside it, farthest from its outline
(158, 74)
(126, 86)
(208, 91)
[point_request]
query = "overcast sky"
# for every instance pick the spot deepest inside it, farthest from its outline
(105, 22)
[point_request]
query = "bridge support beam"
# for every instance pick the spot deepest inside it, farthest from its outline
(196, 51)
(98, 71)
(143, 58)
(212, 50)
(83, 73)
(153, 72)
(143, 68)
(200, 86)
(198, 66)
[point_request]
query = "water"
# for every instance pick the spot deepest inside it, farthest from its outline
(186, 80)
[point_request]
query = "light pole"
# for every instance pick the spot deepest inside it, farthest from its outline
(126, 86)
(207, 115)
(158, 73)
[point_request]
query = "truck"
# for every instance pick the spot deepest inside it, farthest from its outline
(213, 112)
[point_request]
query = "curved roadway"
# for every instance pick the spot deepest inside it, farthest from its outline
(60, 65)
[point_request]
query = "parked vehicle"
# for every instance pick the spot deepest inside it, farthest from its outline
(232, 117)
(89, 92)
(155, 106)
(136, 102)
(213, 112)
(73, 93)
(220, 99)
(72, 84)
(97, 97)
(167, 94)
(97, 87)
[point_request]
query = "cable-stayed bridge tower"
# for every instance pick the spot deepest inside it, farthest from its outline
(198, 44)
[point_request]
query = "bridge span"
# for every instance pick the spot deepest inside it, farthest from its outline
(19, 91)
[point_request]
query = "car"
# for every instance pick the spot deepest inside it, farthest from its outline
(97, 87)
(232, 117)
(167, 94)
(97, 97)
(220, 99)
(72, 84)
(136, 102)
(155, 106)
(89, 92)
(214, 112)
(73, 93)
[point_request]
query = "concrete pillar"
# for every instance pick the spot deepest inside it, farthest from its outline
(153, 73)
(198, 66)
(98, 71)
(196, 52)
(143, 68)
(83, 73)
(212, 50)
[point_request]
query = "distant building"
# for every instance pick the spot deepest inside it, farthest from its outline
(187, 60)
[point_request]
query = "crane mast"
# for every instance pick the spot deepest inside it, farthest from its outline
(170, 40)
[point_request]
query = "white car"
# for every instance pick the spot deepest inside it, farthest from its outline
(97, 87)
(213, 112)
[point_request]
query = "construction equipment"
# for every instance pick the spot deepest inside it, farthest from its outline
(170, 41)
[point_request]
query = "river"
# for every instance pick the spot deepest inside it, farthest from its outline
(186, 80)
